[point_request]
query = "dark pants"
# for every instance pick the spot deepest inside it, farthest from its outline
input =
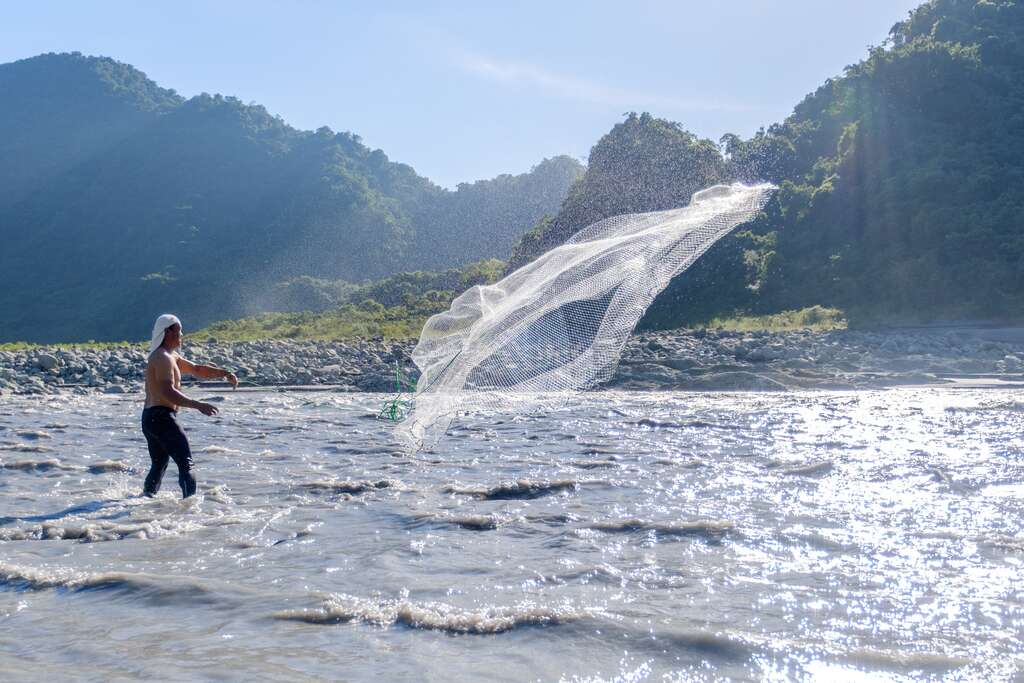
(166, 441)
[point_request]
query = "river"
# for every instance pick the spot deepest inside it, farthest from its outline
(869, 535)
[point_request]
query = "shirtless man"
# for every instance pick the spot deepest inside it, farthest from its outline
(163, 398)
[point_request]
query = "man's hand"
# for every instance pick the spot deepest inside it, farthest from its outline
(207, 409)
(230, 377)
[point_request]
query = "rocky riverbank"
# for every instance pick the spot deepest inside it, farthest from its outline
(841, 359)
(677, 360)
(350, 365)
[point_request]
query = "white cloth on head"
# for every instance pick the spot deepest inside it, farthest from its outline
(159, 327)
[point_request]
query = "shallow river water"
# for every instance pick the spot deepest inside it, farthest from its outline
(635, 537)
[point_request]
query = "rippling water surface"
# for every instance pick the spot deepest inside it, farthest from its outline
(625, 536)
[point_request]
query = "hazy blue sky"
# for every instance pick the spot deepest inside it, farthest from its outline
(468, 90)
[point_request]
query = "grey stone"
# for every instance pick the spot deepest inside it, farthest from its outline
(681, 363)
(733, 381)
(766, 354)
(650, 375)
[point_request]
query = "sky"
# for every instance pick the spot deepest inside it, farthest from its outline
(469, 90)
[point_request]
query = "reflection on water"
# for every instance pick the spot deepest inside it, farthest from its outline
(867, 535)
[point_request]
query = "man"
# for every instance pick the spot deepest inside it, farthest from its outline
(163, 398)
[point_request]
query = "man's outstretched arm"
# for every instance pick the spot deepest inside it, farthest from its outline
(206, 371)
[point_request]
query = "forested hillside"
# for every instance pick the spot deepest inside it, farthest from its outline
(59, 110)
(901, 196)
(120, 199)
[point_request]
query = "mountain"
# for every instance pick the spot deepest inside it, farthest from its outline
(59, 110)
(901, 194)
(901, 181)
(643, 164)
(123, 199)
(468, 217)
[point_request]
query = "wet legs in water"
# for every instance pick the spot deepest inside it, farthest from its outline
(166, 441)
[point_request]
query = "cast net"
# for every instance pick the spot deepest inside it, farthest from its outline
(558, 324)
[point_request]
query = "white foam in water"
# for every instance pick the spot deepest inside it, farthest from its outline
(434, 616)
(220, 449)
(559, 323)
(97, 531)
(121, 487)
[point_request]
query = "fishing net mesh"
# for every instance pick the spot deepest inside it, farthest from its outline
(559, 324)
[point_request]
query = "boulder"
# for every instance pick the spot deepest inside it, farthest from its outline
(681, 363)
(645, 376)
(732, 381)
(46, 361)
(766, 354)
